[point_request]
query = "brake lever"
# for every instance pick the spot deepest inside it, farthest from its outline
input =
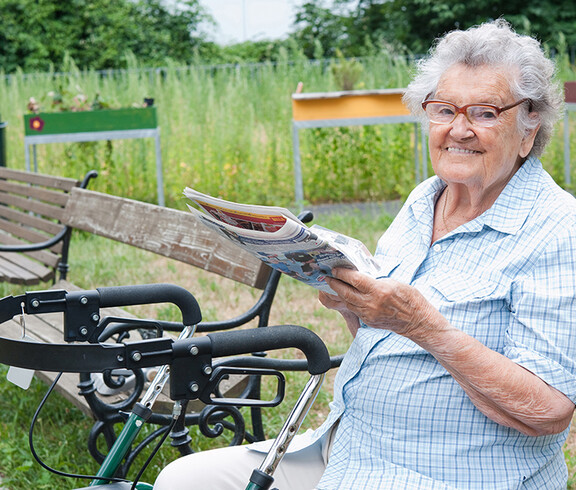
(221, 373)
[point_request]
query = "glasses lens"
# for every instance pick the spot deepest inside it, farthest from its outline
(484, 116)
(440, 113)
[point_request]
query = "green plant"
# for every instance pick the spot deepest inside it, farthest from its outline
(346, 72)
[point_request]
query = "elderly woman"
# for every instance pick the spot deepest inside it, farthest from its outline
(462, 371)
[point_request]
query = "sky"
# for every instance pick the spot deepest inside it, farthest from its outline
(250, 20)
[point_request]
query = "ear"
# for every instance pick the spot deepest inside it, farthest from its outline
(528, 141)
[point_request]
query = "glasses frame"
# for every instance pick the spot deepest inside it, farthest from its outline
(464, 110)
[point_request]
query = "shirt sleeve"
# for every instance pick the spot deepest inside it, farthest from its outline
(541, 336)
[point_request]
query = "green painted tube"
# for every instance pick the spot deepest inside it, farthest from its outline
(259, 481)
(144, 486)
(119, 449)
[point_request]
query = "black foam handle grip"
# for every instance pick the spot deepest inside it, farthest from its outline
(270, 338)
(142, 294)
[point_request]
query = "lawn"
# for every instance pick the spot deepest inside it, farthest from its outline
(62, 429)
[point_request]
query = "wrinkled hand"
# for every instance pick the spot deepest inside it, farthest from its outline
(334, 302)
(383, 303)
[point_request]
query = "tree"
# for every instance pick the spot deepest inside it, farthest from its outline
(415, 24)
(37, 34)
(318, 31)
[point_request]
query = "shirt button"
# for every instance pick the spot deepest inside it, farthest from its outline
(437, 247)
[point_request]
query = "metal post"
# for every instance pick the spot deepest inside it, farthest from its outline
(27, 154)
(298, 185)
(130, 430)
(3, 143)
(159, 178)
(288, 431)
(34, 157)
(567, 180)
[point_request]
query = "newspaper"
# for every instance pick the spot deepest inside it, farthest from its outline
(281, 240)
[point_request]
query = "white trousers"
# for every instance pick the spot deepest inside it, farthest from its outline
(230, 468)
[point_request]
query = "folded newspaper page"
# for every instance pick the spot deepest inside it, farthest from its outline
(281, 240)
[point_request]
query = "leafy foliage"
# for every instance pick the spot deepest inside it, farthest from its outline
(319, 31)
(416, 23)
(37, 34)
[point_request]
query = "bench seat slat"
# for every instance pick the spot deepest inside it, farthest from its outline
(17, 269)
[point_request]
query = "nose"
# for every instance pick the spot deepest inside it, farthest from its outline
(461, 126)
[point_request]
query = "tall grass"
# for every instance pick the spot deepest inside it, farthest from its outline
(226, 131)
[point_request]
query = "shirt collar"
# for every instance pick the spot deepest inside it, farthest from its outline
(510, 210)
(507, 214)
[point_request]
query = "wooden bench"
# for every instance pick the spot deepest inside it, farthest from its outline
(33, 238)
(167, 232)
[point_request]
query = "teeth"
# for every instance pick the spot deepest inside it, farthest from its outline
(462, 150)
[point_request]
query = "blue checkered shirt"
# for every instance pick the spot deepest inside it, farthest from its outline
(507, 278)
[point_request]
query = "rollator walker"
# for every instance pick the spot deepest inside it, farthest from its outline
(194, 366)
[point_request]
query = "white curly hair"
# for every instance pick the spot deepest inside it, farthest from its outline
(496, 44)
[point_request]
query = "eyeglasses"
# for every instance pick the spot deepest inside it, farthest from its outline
(483, 115)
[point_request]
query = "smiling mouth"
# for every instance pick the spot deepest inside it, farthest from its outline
(461, 151)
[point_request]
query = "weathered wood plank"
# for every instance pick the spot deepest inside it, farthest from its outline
(62, 183)
(28, 219)
(18, 269)
(46, 256)
(30, 235)
(168, 232)
(33, 206)
(57, 198)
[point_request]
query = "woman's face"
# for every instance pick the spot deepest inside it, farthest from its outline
(480, 158)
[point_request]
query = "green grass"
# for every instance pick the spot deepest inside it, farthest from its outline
(62, 430)
(216, 125)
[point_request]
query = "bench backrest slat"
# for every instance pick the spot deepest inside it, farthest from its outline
(164, 231)
(42, 180)
(29, 220)
(32, 205)
(43, 194)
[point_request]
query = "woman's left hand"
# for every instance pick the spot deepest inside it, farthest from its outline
(387, 304)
